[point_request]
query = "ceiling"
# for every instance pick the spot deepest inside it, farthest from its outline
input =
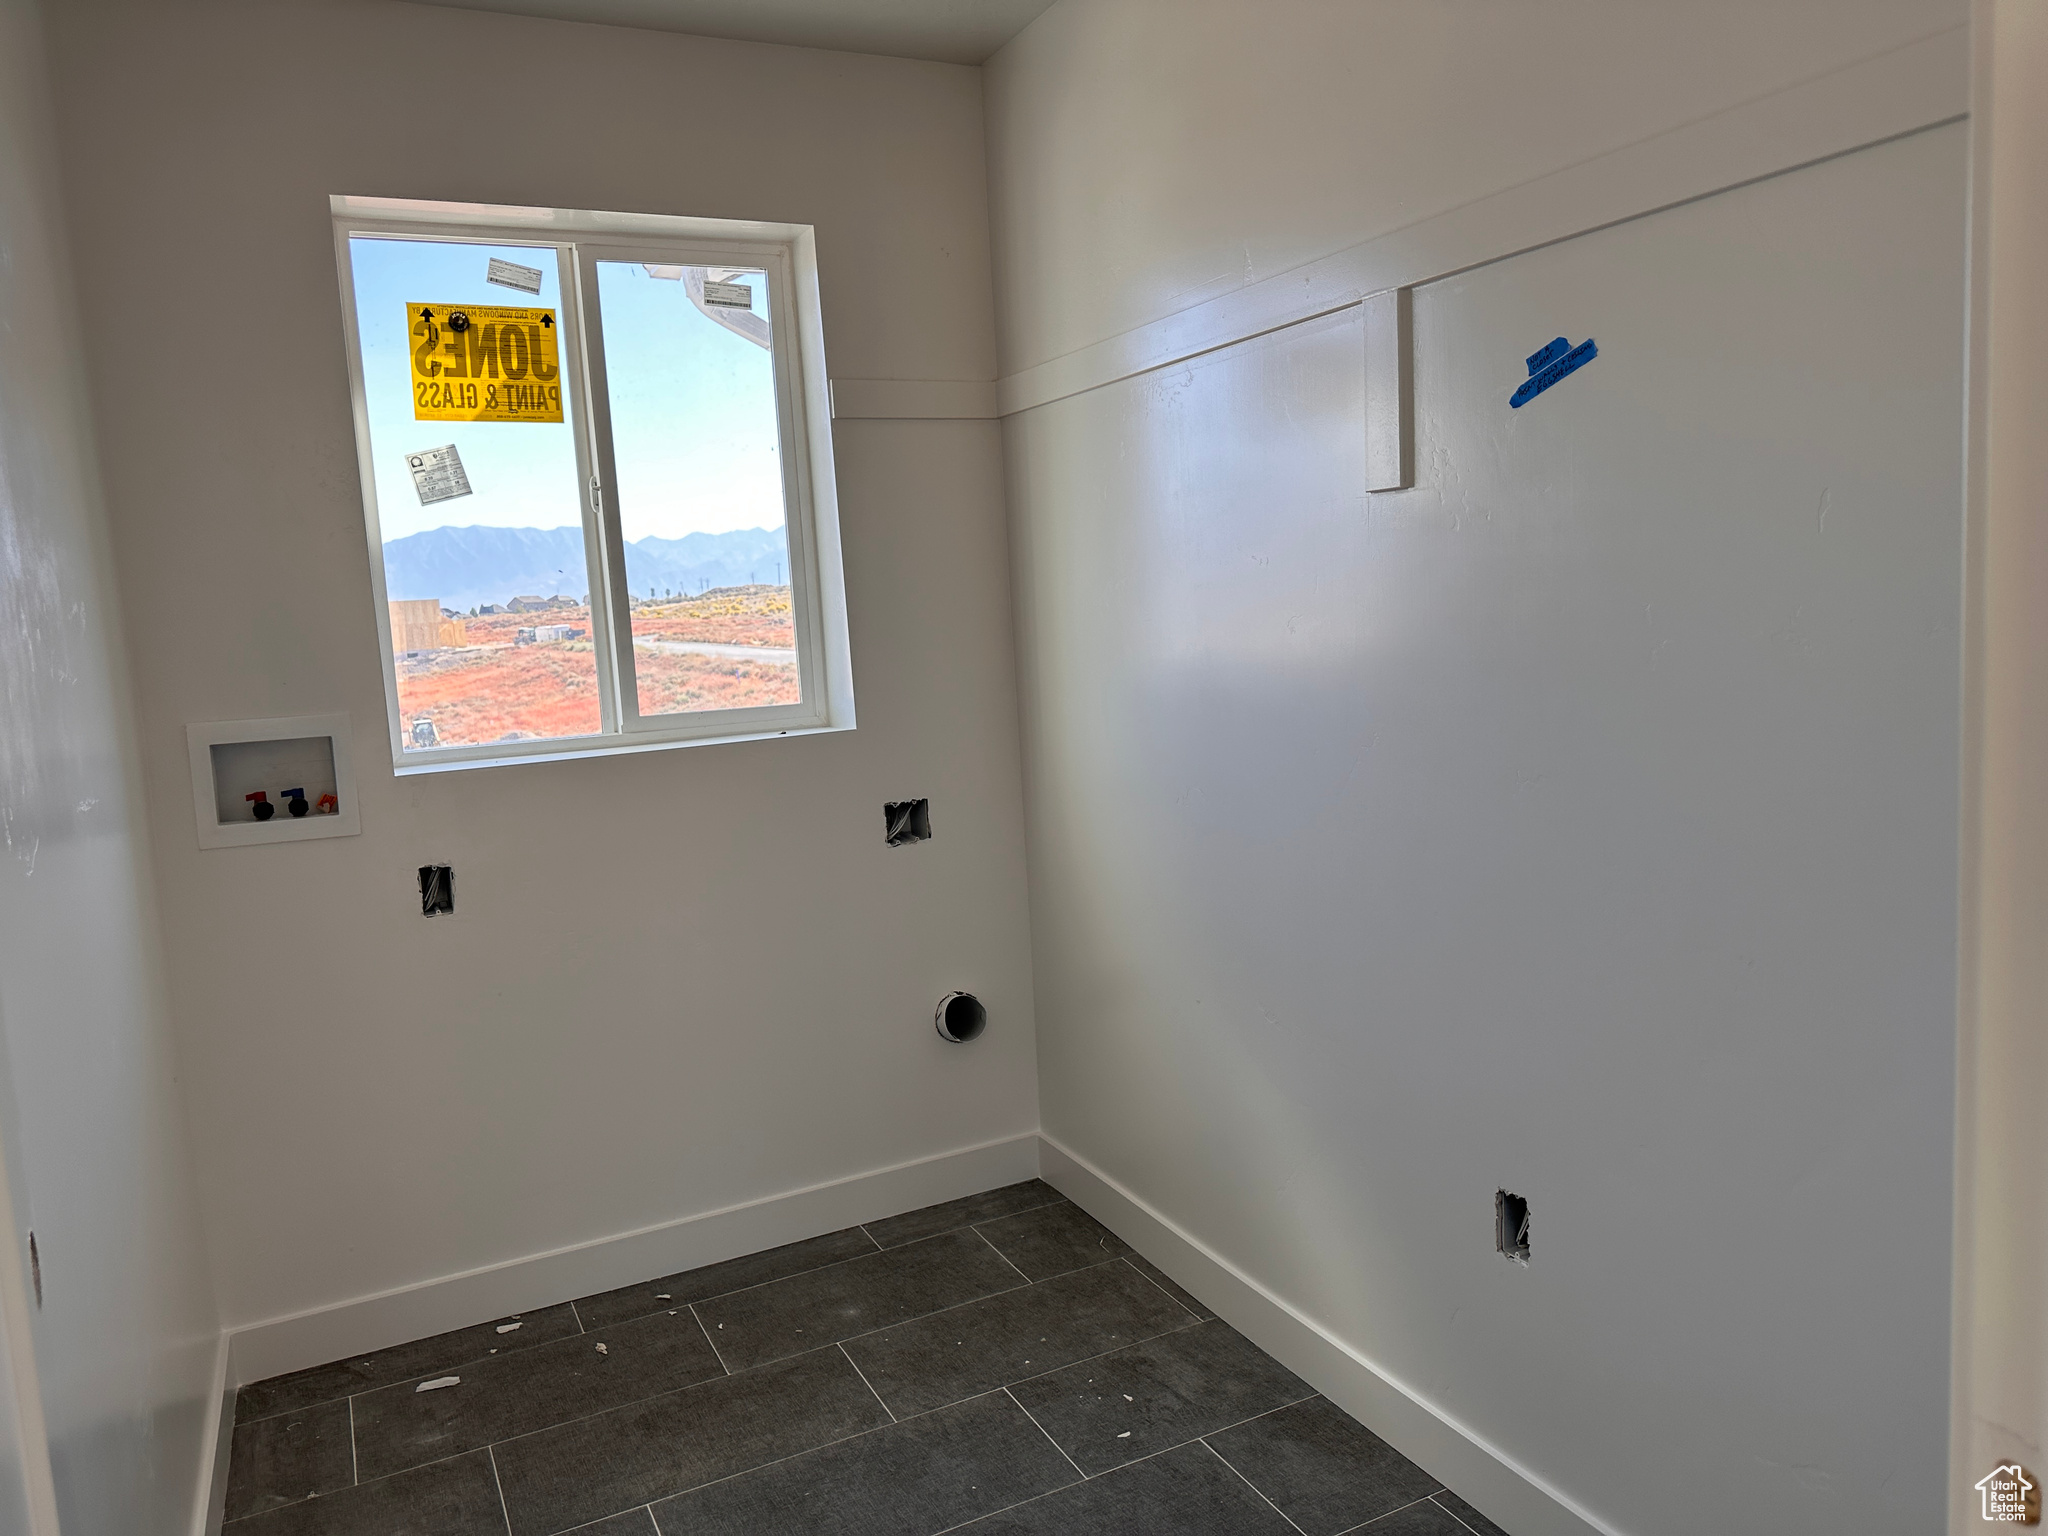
(957, 31)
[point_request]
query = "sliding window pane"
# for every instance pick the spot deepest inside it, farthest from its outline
(479, 498)
(690, 382)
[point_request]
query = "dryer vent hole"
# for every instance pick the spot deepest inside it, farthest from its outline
(960, 1017)
(1511, 1225)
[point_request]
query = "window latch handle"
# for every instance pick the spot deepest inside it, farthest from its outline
(596, 497)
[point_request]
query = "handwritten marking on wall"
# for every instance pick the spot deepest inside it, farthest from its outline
(1558, 360)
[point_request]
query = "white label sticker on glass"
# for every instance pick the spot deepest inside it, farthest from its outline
(437, 474)
(729, 295)
(509, 274)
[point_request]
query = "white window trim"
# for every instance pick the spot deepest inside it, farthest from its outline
(789, 252)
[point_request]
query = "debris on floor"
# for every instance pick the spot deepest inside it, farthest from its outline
(437, 1383)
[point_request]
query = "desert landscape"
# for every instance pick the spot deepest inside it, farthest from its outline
(690, 655)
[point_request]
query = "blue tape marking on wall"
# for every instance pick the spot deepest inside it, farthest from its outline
(1541, 378)
(1538, 361)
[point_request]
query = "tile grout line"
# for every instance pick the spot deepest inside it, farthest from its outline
(355, 1470)
(1048, 1438)
(691, 1308)
(1450, 1511)
(1255, 1488)
(989, 1221)
(1134, 1462)
(581, 1418)
(992, 1248)
(730, 1477)
(1103, 1354)
(591, 1525)
(971, 1396)
(863, 1375)
(879, 1249)
(382, 1477)
(1162, 1290)
(579, 1318)
(922, 1412)
(1003, 1387)
(1057, 1199)
(1010, 1290)
(598, 1413)
(818, 1269)
(499, 1483)
(1178, 1444)
(1021, 1503)
(721, 1295)
(1224, 1429)
(1427, 1498)
(1149, 1456)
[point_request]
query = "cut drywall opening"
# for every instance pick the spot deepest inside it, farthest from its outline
(1511, 1225)
(437, 890)
(907, 821)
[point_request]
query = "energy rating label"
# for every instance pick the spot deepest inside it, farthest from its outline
(484, 362)
(437, 474)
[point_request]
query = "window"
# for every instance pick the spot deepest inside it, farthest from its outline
(597, 479)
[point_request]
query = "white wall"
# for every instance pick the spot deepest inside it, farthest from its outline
(1582, 821)
(2001, 1337)
(1146, 155)
(124, 1344)
(676, 980)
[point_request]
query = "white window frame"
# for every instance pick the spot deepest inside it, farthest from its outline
(581, 239)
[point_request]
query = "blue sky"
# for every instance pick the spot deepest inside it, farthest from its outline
(693, 414)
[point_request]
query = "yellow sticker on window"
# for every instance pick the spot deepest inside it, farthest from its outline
(484, 362)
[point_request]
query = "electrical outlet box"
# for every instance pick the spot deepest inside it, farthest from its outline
(437, 890)
(906, 821)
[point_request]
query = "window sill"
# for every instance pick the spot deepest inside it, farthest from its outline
(575, 748)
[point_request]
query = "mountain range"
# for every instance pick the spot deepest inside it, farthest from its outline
(468, 567)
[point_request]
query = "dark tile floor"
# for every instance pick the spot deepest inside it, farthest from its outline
(1000, 1364)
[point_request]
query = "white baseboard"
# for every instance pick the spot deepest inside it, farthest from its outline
(210, 1503)
(271, 1348)
(1492, 1481)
